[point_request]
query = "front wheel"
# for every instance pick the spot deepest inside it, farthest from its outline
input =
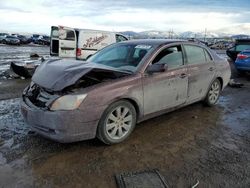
(213, 93)
(117, 122)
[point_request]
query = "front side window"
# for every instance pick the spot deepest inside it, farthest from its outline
(195, 54)
(171, 56)
(125, 57)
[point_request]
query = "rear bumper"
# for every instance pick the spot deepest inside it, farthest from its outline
(60, 126)
(242, 66)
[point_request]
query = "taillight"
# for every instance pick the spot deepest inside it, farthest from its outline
(78, 52)
(242, 56)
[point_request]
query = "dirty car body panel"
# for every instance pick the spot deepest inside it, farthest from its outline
(101, 85)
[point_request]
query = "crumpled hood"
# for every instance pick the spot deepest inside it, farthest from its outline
(58, 74)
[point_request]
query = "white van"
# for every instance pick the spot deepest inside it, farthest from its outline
(80, 43)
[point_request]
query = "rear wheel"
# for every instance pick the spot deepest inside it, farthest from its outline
(213, 93)
(117, 122)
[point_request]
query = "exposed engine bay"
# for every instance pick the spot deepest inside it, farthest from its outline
(42, 97)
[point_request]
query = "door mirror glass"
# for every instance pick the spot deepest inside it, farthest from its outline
(156, 68)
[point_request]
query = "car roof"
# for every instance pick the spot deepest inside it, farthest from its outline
(153, 41)
(240, 41)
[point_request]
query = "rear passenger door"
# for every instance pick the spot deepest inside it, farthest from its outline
(67, 42)
(201, 71)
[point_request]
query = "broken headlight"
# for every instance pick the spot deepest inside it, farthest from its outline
(68, 102)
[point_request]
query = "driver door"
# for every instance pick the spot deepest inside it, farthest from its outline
(167, 89)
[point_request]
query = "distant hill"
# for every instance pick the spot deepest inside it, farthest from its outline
(164, 34)
(186, 34)
(240, 36)
(129, 33)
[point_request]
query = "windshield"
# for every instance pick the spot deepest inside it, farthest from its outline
(124, 57)
(11, 37)
(242, 47)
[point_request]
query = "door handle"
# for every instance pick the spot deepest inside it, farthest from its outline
(183, 75)
(211, 68)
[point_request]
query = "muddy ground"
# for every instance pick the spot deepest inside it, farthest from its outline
(211, 145)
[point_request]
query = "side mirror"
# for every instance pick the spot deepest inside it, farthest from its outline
(157, 68)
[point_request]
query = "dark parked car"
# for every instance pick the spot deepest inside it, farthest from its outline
(3, 36)
(44, 40)
(11, 40)
(23, 39)
(122, 84)
(35, 38)
(240, 45)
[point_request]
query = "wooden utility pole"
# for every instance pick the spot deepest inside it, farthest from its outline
(205, 35)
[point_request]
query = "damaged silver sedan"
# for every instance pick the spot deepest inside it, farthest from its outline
(119, 86)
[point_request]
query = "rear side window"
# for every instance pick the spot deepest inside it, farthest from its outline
(195, 54)
(67, 34)
(207, 55)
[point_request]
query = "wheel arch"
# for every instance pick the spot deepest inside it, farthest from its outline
(136, 106)
(134, 102)
(221, 81)
(215, 78)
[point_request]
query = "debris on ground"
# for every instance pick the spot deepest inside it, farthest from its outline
(34, 55)
(195, 117)
(147, 178)
(31, 133)
(195, 185)
(233, 83)
(1, 142)
(7, 74)
(26, 69)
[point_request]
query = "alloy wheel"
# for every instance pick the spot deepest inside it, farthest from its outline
(214, 92)
(119, 122)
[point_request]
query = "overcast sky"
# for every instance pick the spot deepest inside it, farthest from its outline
(228, 16)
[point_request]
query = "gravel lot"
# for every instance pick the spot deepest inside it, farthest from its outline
(211, 145)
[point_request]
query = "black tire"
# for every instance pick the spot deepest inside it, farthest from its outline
(208, 100)
(104, 135)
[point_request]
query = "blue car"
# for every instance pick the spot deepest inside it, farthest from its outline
(242, 62)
